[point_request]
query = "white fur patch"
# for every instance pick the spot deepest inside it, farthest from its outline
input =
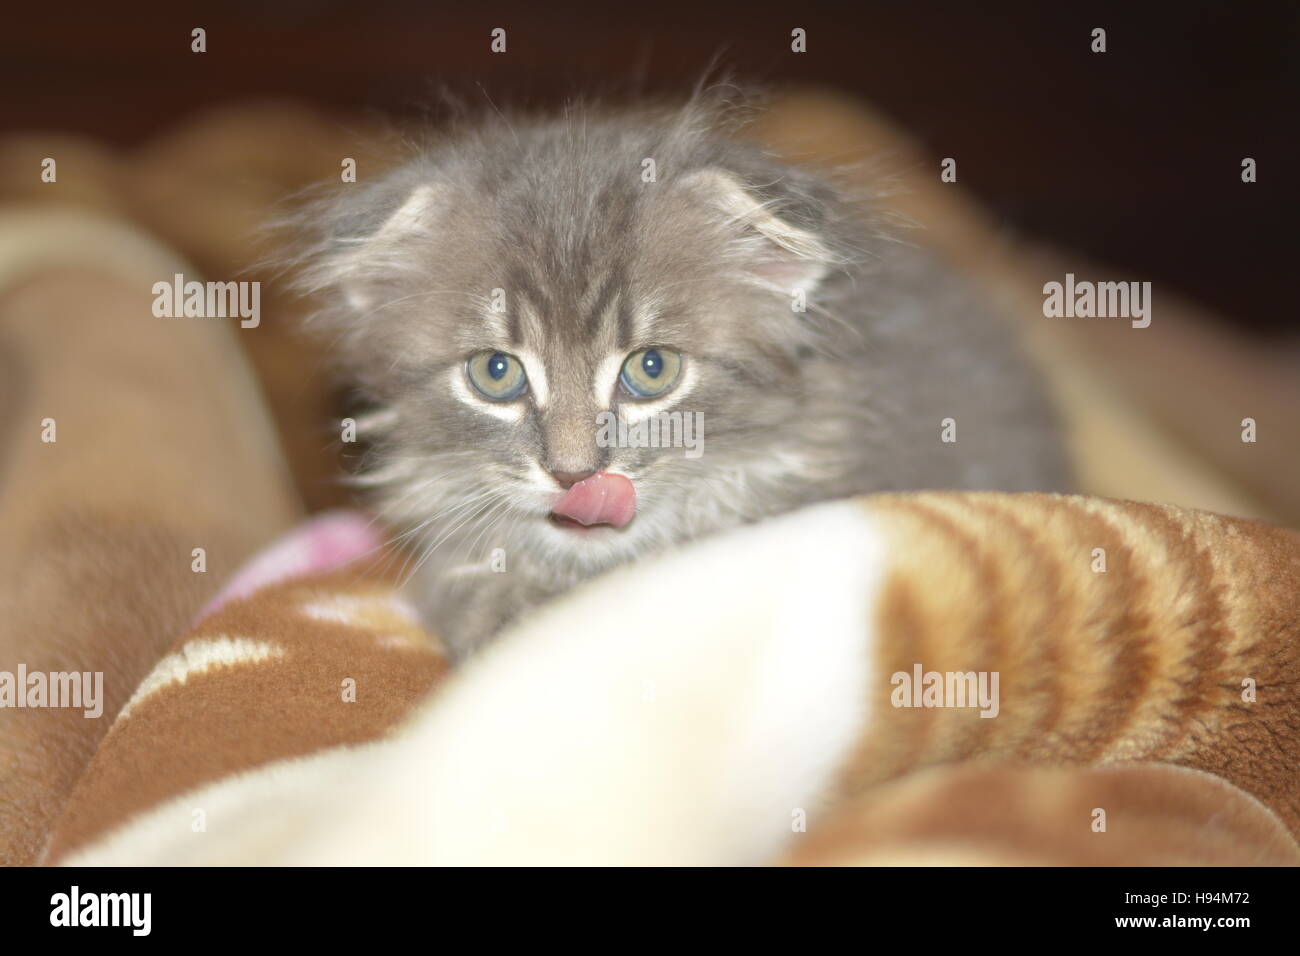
(535, 369)
(606, 380)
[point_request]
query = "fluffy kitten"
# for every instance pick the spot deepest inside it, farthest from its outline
(498, 292)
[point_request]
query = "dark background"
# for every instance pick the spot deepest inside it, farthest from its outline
(1131, 157)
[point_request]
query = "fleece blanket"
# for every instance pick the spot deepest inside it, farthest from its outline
(127, 445)
(926, 678)
(911, 679)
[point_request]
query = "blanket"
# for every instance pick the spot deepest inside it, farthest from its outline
(896, 679)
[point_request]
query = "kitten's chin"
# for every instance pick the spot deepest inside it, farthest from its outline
(585, 535)
(577, 527)
(588, 546)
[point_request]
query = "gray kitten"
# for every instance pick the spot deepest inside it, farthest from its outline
(500, 291)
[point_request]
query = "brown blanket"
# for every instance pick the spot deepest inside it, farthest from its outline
(902, 679)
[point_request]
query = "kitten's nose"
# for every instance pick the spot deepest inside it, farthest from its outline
(567, 479)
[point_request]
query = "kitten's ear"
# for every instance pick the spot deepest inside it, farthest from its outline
(379, 253)
(776, 233)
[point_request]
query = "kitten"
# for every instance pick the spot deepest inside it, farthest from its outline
(501, 290)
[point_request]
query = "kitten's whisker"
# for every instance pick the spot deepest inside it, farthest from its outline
(454, 509)
(493, 517)
(468, 516)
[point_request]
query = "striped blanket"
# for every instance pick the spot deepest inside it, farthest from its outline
(1142, 714)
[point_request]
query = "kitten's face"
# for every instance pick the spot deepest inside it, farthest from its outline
(496, 322)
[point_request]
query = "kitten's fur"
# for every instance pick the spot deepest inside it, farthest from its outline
(596, 262)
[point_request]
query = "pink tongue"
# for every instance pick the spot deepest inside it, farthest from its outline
(603, 498)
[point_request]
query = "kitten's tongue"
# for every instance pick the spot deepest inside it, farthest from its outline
(603, 498)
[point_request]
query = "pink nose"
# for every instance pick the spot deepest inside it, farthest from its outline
(567, 479)
(602, 498)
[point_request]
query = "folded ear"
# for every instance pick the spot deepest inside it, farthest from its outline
(776, 234)
(380, 252)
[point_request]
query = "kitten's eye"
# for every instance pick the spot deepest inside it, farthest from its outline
(497, 375)
(650, 373)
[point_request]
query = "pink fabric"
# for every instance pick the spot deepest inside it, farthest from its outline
(322, 543)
